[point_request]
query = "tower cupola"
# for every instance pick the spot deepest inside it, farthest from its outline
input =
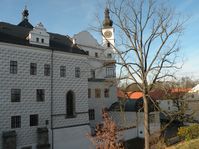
(107, 23)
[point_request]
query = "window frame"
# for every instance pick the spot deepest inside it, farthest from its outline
(34, 120)
(93, 73)
(96, 54)
(89, 93)
(77, 72)
(91, 114)
(15, 121)
(15, 95)
(110, 71)
(13, 67)
(62, 71)
(33, 68)
(97, 93)
(46, 69)
(106, 93)
(40, 95)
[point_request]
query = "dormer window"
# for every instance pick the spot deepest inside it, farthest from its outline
(109, 55)
(39, 35)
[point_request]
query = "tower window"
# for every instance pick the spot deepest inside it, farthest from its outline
(37, 39)
(108, 44)
(109, 55)
(42, 40)
(96, 54)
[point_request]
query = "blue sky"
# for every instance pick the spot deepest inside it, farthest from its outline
(72, 16)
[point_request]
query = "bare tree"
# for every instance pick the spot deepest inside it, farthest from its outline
(147, 44)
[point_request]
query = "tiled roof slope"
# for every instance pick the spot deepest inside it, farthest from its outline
(10, 33)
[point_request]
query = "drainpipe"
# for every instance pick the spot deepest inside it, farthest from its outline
(51, 108)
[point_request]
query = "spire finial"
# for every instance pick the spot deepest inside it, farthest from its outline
(25, 13)
(107, 21)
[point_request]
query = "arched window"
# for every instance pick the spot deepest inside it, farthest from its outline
(70, 104)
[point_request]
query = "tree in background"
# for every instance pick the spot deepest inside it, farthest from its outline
(147, 44)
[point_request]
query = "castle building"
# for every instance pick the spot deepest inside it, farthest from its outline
(52, 88)
(102, 77)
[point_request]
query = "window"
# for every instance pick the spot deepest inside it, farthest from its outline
(109, 55)
(16, 122)
(77, 72)
(15, 95)
(97, 93)
(106, 93)
(62, 71)
(37, 39)
(92, 73)
(34, 120)
(110, 72)
(13, 67)
(91, 114)
(70, 104)
(33, 69)
(108, 44)
(89, 93)
(40, 94)
(96, 54)
(87, 52)
(46, 70)
(42, 40)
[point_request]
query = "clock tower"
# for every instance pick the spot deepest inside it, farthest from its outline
(108, 31)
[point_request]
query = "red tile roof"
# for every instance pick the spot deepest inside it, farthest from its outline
(157, 94)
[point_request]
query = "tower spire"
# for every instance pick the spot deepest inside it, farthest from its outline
(25, 14)
(107, 23)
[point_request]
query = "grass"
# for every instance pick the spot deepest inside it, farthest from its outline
(192, 144)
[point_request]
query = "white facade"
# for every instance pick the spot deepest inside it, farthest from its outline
(134, 122)
(103, 78)
(26, 135)
(167, 105)
(192, 101)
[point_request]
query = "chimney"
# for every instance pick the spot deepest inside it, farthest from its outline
(74, 41)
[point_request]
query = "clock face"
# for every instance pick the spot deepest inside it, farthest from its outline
(108, 34)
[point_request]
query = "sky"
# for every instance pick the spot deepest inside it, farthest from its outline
(68, 17)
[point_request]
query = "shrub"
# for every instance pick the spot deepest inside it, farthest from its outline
(189, 132)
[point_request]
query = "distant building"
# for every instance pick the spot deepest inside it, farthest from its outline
(192, 102)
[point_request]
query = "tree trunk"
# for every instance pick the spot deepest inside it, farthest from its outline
(146, 122)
